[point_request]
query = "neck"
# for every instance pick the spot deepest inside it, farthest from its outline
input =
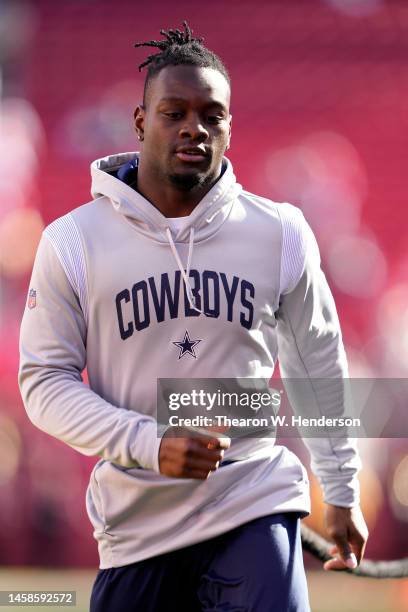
(166, 197)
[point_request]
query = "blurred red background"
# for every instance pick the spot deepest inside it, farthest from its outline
(320, 119)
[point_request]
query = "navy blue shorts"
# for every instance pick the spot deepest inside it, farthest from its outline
(257, 567)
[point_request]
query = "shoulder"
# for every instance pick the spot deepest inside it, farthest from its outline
(298, 243)
(80, 214)
(69, 228)
(287, 218)
(283, 212)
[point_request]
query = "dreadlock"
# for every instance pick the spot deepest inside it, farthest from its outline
(179, 48)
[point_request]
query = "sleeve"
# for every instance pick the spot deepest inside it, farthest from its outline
(52, 358)
(310, 348)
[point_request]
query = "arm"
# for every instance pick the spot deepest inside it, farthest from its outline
(311, 348)
(52, 357)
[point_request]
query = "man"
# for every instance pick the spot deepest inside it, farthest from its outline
(173, 271)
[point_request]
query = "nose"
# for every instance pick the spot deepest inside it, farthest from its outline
(194, 129)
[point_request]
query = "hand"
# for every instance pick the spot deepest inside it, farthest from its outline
(347, 527)
(186, 453)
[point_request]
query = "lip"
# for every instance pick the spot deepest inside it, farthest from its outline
(191, 154)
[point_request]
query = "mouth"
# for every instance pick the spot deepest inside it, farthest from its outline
(192, 154)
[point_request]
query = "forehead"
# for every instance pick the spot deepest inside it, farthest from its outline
(190, 83)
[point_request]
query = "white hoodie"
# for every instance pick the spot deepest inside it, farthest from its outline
(111, 291)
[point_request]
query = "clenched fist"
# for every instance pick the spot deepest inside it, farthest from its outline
(187, 453)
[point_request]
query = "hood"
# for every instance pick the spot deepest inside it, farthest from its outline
(206, 218)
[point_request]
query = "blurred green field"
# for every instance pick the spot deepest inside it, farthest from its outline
(328, 592)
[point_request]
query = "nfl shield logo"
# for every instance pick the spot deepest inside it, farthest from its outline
(32, 298)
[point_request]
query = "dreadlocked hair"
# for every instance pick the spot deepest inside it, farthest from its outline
(179, 48)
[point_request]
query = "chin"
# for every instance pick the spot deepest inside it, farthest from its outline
(186, 182)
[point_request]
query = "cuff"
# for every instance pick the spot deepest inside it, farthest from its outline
(145, 449)
(341, 492)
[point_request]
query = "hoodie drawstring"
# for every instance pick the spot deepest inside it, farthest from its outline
(184, 273)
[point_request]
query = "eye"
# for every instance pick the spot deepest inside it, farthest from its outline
(214, 119)
(174, 115)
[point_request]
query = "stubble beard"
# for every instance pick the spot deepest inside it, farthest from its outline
(187, 182)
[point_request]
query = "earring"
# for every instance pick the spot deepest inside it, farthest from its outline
(140, 137)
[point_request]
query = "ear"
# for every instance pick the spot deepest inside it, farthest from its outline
(139, 116)
(229, 134)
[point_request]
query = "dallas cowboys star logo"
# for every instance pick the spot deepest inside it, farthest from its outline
(187, 346)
